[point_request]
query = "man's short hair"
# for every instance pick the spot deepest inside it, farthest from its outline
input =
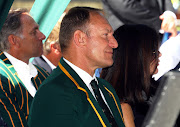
(13, 26)
(77, 18)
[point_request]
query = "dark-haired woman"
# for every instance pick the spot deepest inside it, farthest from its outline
(135, 61)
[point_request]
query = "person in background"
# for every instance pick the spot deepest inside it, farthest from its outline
(5, 6)
(170, 59)
(51, 50)
(72, 96)
(158, 14)
(20, 39)
(135, 61)
(51, 53)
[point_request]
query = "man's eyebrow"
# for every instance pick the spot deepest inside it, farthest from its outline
(109, 30)
(35, 28)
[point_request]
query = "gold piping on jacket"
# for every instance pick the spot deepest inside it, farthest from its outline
(115, 103)
(8, 76)
(12, 105)
(80, 88)
(12, 81)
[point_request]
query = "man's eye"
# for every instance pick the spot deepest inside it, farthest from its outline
(34, 32)
(106, 34)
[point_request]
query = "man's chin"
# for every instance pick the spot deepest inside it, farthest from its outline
(109, 64)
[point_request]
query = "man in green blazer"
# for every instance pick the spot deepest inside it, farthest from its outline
(20, 39)
(66, 98)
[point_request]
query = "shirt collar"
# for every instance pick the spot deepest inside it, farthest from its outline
(82, 74)
(49, 62)
(19, 65)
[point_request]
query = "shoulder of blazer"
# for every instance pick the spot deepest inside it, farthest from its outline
(6, 69)
(38, 61)
(42, 71)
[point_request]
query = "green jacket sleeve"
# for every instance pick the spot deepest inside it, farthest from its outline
(9, 107)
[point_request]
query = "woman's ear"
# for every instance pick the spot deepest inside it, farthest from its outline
(80, 38)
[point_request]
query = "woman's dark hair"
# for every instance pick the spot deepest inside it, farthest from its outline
(130, 73)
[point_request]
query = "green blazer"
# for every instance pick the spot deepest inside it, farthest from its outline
(15, 100)
(64, 101)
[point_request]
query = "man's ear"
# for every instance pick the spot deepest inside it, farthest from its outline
(80, 38)
(55, 47)
(13, 40)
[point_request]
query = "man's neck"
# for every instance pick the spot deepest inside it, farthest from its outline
(82, 65)
(19, 56)
(52, 59)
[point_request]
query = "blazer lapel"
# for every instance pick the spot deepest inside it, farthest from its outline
(109, 96)
(9, 70)
(83, 85)
(42, 63)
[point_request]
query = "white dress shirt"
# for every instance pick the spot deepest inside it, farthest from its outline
(25, 72)
(49, 62)
(86, 78)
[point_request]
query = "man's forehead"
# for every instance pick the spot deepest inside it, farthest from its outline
(27, 17)
(28, 21)
(100, 20)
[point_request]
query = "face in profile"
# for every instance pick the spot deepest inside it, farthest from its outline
(154, 63)
(31, 41)
(100, 41)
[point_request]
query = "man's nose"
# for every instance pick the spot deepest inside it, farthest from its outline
(41, 36)
(113, 43)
